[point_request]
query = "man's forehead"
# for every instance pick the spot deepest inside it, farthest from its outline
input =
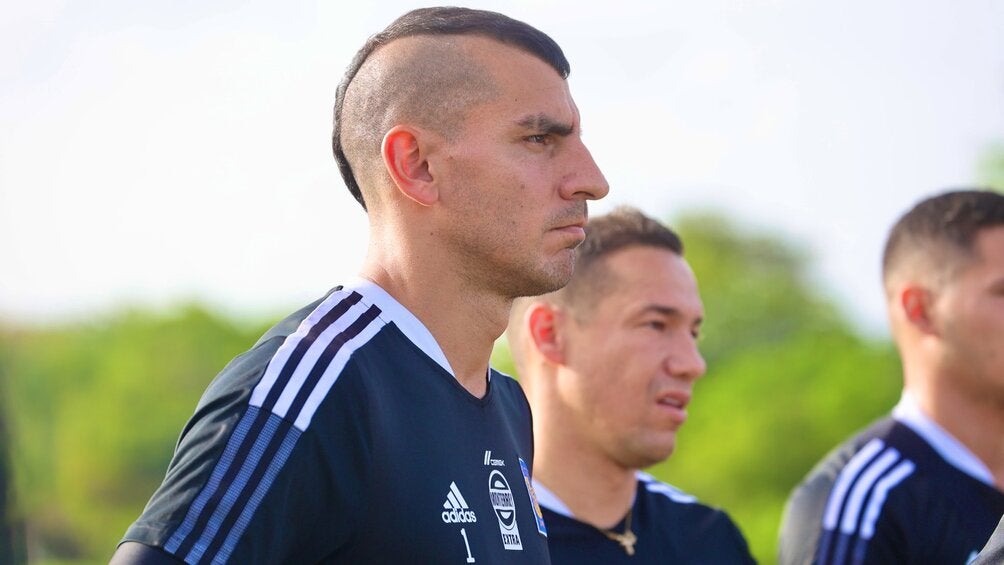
(652, 276)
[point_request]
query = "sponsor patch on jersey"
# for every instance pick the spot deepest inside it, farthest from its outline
(541, 527)
(505, 510)
(455, 509)
(493, 462)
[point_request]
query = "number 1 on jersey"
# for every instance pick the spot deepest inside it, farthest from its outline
(470, 558)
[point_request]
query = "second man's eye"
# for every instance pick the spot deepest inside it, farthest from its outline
(657, 325)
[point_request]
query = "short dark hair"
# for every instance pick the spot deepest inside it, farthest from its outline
(442, 21)
(946, 225)
(622, 228)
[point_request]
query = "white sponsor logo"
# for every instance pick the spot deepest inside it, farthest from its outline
(456, 509)
(493, 462)
(505, 510)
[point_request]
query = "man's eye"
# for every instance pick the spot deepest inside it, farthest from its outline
(656, 325)
(541, 139)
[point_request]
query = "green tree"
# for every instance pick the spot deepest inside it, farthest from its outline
(98, 409)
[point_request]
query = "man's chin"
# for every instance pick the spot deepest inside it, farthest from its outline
(554, 277)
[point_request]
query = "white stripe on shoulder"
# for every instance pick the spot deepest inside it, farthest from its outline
(310, 358)
(298, 375)
(654, 485)
(334, 369)
(856, 500)
(831, 516)
(393, 311)
(281, 356)
(882, 488)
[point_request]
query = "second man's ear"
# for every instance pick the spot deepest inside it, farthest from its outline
(916, 303)
(544, 329)
(405, 157)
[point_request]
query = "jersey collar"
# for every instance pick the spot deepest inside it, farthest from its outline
(550, 500)
(908, 413)
(393, 311)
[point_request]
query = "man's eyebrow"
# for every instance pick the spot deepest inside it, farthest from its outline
(668, 311)
(543, 123)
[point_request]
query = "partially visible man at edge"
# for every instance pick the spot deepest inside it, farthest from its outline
(368, 427)
(609, 364)
(924, 484)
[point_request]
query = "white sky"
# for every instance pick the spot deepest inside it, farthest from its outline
(152, 152)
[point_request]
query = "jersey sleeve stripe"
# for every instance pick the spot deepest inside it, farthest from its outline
(316, 356)
(665, 489)
(856, 501)
(274, 466)
(229, 453)
(249, 478)
(208, 523)
(845, 479)
(252, 458)
(334, 369)
(852, 511)
(882, 488)
(299, 411)
(285, 361)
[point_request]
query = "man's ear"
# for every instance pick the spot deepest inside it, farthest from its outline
(916, 303)
(406, 161)
(544, 331)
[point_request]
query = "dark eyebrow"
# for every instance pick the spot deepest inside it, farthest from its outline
(669, 312)
(543, 123)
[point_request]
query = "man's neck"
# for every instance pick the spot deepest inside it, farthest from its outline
(978, 424)
(464, 324)
(599, 492)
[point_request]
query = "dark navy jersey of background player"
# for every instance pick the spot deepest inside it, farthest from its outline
(343, 437)
(901, 491)
(670, 525)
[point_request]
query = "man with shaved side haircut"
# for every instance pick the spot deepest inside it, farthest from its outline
(609, 364)
(368, 427)
(925, 484)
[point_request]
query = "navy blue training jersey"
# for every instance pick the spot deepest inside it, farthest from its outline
(886, 496)
(343, 437)
(670, 527)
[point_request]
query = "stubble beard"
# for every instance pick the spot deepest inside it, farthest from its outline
(509, 279)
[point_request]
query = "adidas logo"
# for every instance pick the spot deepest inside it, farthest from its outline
(457, 511)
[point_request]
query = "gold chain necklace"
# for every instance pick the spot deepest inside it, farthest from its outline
(627, 539)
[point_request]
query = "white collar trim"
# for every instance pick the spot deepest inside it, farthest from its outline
(393, 311)
(908, 412)
(547, 498)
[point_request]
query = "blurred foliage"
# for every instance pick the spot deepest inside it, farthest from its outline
(94, 410)
(991, 167)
